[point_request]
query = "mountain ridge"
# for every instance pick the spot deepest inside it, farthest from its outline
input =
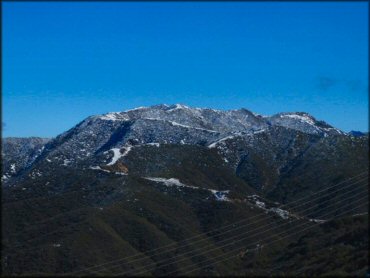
(298, 116)
(177, 123)
(165, 107)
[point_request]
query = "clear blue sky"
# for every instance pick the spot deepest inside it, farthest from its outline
(64, 61)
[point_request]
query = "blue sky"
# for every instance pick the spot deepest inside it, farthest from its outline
(64, 61)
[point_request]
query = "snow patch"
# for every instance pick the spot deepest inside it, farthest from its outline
(12, 167)
(260, 204)
(259, 131)
(186, 126)
(98, 168)
(181, 125)
(267, 208)
(220, 195)
(135, 109)
(153, 144)
(66, 162)
(178, 106)
(213, 145)
(120, 173)
(177, 124)
(170, 182)
(282, 213)
(117, 154)
(301, 118)
(113, 116)
(35, 173)
(334, 129)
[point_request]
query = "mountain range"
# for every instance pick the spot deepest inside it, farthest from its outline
(124, 184)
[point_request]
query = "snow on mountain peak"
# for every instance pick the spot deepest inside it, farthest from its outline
(183, 121)
(177, 106)
(303, 117)
(135, 109)
(113, 116)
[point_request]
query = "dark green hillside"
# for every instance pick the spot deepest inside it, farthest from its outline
(116, 216)
(330, 161)
(284, 165)
(335, 248)
(69, 219)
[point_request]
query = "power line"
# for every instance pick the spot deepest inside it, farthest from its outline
(224, 245)
(285, 204)
(234, 229)
(29, 227)
(233, 224)
(187, 272)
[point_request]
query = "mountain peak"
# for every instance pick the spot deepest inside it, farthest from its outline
(178, 106)
(236, 120)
